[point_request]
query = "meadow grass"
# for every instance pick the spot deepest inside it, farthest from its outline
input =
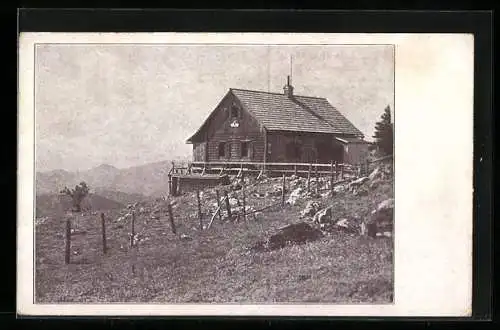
(215, 265)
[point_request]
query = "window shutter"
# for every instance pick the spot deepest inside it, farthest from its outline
(228, 150)
(250, 150)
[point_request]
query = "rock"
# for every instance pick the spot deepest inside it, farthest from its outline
(326, 194)
(323, 216)
(236, 186)
(375, 183)
(360, 191)
(185, 237)
(313, 194)
(358, 182)
(295, 182)
(375, 174)
(294, 234)
(239, 209)
(233, 201)
(386, 204)
(339, 188)
(381, 219)
(310, 209)
(294, 196)
(276, 191)
(347, 225)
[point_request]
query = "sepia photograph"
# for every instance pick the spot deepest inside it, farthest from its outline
(208, 172)
(205, 173)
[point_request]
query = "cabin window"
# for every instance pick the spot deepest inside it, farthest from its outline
(234, 112)
(244, 149)
(222, 149)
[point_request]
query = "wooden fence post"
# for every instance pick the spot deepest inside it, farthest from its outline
(317, 179)
(295, 170)
(336, 172)
(228, 205)
(283, 192)
(171, 217)
(331, 178)
(342, 171)
(199, 208)
(243, 192)
(218, 204)
(244, 203)
(170, 184)
(132, 230)
(103, 224)
(67, 252)
(309, 177)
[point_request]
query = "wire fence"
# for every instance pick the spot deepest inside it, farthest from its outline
(241, 209)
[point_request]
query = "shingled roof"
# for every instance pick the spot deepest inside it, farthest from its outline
(278, 112)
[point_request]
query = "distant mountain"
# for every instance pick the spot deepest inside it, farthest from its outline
(57, 204)
(119, 196)
(148, 180)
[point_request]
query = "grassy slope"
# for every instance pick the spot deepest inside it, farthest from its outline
(216, 266)
(54, 204)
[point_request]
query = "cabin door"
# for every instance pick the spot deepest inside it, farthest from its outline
(293, 151)
(324, 152)
(337, 152)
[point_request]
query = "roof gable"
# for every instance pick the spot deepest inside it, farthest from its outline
(279, 112)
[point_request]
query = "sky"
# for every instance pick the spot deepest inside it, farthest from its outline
(128, 105)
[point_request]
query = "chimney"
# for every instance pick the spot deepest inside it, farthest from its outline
(288, 89)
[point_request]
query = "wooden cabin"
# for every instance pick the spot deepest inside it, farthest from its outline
(264, 127)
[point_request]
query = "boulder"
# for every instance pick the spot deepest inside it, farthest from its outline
(311, 209)
(381, 219)
(185, 237)
(360, 191)
(294, 234)
(358, 182)
(348, 225)
(339, 188)
(236, 186)
(375, 174)
(295, 183)
(386, 204)
(327, 194)
(323, 216)
(375, 183)
(275, 191)
(294, 196)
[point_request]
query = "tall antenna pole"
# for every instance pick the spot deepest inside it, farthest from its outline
(291, 70)
(268, 68)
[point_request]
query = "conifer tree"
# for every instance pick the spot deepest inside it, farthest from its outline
(384, 133)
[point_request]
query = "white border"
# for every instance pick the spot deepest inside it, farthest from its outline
(433, 166)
